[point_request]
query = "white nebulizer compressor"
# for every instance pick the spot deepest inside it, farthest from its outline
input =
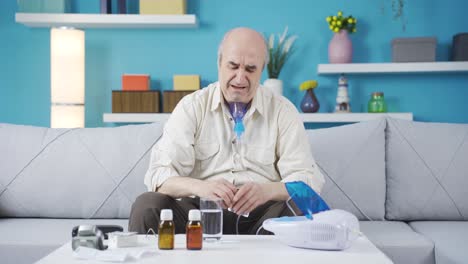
(328, 230)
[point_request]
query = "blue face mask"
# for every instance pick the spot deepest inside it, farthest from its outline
(306, 199)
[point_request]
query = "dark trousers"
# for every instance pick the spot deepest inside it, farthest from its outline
(147, 208)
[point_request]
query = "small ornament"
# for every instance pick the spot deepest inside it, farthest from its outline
(342, 98)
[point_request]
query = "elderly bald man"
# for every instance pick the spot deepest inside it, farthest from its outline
(199, 154)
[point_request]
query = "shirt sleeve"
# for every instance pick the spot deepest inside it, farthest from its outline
(173, 155)
(295, 160)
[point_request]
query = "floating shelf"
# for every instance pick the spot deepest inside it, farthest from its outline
(106, 20)
(351, 117)
(406, 67)
(135, 118)
(307, 118)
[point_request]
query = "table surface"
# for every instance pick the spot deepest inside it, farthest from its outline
(237, 250)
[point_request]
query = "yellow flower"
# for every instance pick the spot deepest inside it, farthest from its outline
(310, 84)
(340, 22)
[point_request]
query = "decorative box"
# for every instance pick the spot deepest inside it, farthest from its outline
(186, 82)
(460, 47)
(135, 102)
(135, 82)
(171, 98)
(163, 7)
(414, 49)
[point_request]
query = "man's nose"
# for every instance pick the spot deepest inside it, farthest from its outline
(240, 76)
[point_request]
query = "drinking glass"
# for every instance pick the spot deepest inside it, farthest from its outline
(212, 218)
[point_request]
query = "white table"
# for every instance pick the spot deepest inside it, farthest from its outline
(240, 250)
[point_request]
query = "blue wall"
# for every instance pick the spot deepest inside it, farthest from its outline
(25, 63)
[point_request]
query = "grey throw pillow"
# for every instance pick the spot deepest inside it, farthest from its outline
(427, 171)
(73, 173)
(352, 160)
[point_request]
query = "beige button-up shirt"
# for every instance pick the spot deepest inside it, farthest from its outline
(199, 142)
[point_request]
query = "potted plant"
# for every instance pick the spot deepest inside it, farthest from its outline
(279, 49)
(340, 48)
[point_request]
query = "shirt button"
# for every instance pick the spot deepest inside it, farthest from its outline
(230, 118)
(234, 141)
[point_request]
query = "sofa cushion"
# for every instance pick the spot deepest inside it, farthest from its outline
(399, 242)
(427, 171)
(450, 239)
(28, 240)
(351, 158)
(92, 172)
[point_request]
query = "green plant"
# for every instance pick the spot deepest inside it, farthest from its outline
(279, 48)
(339, 22)
(398, 8)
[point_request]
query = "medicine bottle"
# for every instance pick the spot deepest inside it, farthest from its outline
(377, 103)
(194, 230)
(166, 230)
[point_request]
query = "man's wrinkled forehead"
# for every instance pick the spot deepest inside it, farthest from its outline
(243, 56)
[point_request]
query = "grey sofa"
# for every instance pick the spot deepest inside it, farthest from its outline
(406, 181)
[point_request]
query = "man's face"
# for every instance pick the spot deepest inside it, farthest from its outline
(239, 70)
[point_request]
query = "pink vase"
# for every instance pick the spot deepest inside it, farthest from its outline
(340, 48)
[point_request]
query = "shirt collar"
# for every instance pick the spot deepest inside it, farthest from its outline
(217, 98)
(257, 101)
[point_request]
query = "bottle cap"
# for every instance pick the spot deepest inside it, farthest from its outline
(377, 94)
(194, 215)
(166, 215)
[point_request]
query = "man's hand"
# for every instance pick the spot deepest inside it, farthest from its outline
(249, 196)
(217, 189)
(253, 194)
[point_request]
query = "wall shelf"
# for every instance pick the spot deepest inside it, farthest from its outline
(106, 20)
(307, 118)
(350, 117)
(134, 117)
(407, 67)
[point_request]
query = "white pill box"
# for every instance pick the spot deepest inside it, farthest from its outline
(122, 239)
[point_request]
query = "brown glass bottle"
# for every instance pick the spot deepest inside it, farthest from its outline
(166, 230)
(194, 231)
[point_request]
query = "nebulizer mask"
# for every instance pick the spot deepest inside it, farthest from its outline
(238, 110)
(319, 227)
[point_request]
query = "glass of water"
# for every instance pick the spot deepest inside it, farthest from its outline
(212, 218)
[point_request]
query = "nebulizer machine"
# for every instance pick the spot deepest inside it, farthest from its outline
(319, 227)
